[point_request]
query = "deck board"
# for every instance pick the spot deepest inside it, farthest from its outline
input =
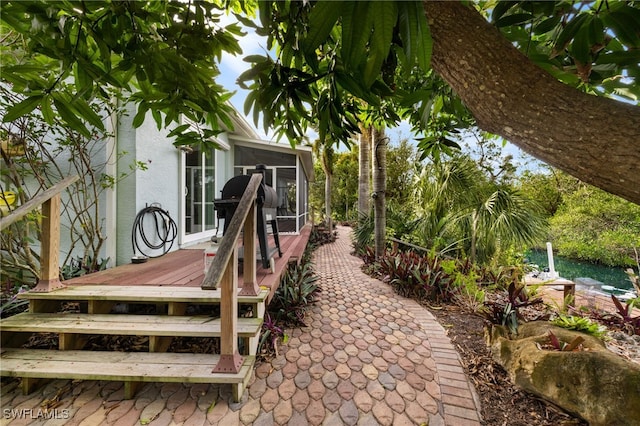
(185, 268)
(126, 325)
(126, 366)
(138, 294)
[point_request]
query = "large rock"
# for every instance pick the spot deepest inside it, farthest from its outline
(594, 384)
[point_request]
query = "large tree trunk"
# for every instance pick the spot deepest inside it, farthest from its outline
(379, 177)
(593, 138)
(364, 206)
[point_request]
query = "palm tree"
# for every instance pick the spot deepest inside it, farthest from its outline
(460, 208)
(504, 218)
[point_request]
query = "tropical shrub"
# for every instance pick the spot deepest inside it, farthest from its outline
(270, 335)
(507, 309)
(417, 276)
(624, 317)
(469, 295)
(294, 295)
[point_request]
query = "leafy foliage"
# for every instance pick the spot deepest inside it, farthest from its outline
(572, 322)
(333, 59)
(11, 305)
(162, 55)
(294, 295)
(630, 323)
(596, 226)
(584, 44)
(507, 311)
(557, 344)
(78, 267)
(270, 335)
(422, 277)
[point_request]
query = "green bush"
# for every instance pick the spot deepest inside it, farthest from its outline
(294, 295)
(417, 276)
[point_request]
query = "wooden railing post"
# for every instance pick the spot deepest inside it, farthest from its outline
(50, 246)
(230, 359)
(249, 281)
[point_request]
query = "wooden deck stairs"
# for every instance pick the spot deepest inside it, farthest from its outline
(218, 308)
(99, 307)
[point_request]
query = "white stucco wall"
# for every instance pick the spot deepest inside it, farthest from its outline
(158, 184)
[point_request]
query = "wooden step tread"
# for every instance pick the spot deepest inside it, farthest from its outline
(121, 366)
(138, 294)
(121, 324)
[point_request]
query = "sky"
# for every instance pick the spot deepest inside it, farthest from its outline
(252, 44)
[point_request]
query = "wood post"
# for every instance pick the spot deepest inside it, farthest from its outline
(249, 285)
(230, 359)
(50, 246)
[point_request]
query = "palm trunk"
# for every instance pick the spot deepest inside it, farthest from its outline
(379, 175)
(327, 197)
(364, 205)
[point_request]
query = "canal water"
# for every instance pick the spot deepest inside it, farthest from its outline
(572, 269)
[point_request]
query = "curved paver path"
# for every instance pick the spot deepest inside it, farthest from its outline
(367, 357)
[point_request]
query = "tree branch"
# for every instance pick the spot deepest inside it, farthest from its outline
(593, 138)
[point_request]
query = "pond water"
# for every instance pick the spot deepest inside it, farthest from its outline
(572, 269)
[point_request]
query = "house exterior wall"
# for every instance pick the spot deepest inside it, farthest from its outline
(158, 184)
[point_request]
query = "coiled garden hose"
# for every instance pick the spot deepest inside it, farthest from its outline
(166, 231)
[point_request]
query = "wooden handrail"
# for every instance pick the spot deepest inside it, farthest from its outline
(36, 201)
(50, 242)
(224, 271)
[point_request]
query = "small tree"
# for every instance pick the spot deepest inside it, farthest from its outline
(50, 154)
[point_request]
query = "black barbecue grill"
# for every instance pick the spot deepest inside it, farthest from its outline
(266, 203)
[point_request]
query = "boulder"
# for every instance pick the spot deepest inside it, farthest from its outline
(594, 384)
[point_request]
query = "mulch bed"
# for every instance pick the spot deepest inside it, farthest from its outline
(502, 402)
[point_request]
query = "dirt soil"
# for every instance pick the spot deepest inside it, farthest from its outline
(502, 402)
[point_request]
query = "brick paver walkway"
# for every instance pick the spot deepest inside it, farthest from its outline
(367, 357)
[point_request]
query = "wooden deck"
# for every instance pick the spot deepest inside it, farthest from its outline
(185, 268)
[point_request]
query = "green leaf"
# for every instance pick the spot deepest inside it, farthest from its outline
(501, 8)
(349, 84)
(385, 17)
(580, 48)
(88, 113)
(141, 114)
(596, 31)
(624, 25)
(515, 19)
(629, 57)
(569, 31)
(322, 19)
(415, 35)
(179, 129)
(547, 25)
(414, 97)
(69, 115)
(356, 29)
(23, 108)
(47, 111)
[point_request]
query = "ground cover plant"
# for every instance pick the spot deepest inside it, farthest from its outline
(293, 297)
